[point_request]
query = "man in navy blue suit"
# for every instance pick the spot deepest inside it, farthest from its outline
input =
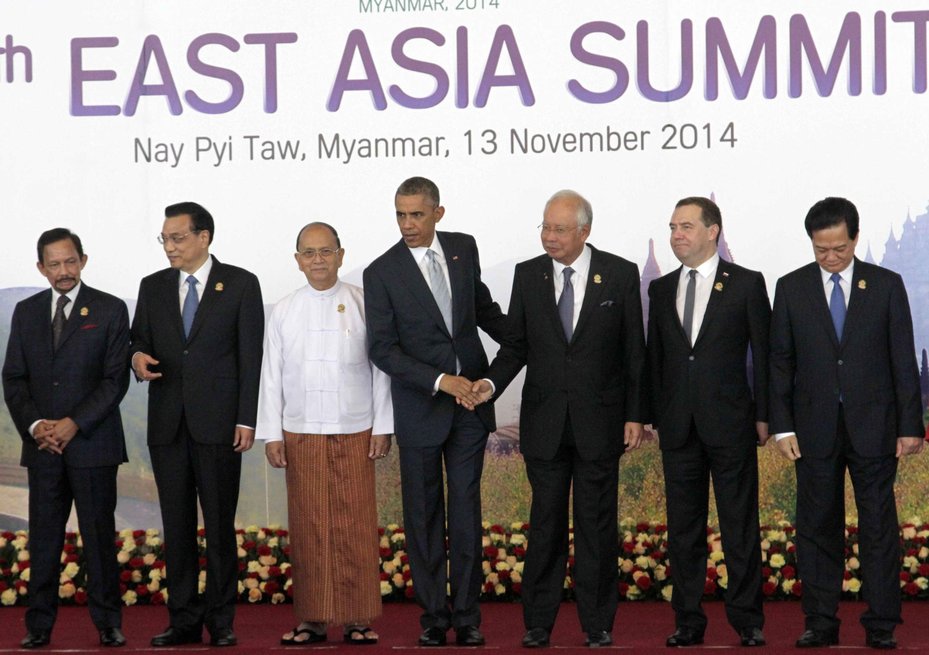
(424, 300)
(66, 372)
(844, 395)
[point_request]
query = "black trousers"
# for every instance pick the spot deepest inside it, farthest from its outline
(186, 470)
(734, 470)
(821, 534)
(434, 568)
(52, 489)
(596, 539)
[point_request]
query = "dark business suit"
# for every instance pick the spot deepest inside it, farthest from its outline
(847, 401)
(84, 379)
(575, 401)
(705, 413)
(409, 341)
(209, 385)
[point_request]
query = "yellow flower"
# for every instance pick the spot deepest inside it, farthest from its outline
(285, 566)
(642, 562)
(518, 539)
(71, 569)
(152, 541)
(502, 566)
(253, 567)
(499, 590)
(278, 598)
(386, 588)
(251, 583)
(722, 571)
(661, 573)
(154, 574)
(626, 565)
(130, 598)
(723, 581)
(777, 560)
(493, 578)
(388, 568)
(633, 592)
(787, 585)
(398, 580)
(264, 572)
(516, 577)
(666, 592)
(497, 538)
(717, 555)
(8, 597)
(240, 553)
(519, 567)
(202, 586)
(384, 542)
(137, 576)
(398, 537)
(910, 563)
(23, 556)
(854, 585)
(153, 586)
(273, 542)
(392, 527)
(485, 567)
(25, 575)
(922, 583)
(909, 533)
(852, 564)
(924, 553)
(254, 595)
(250, 529)
(239, 539)
(267, 560)
(516, 525)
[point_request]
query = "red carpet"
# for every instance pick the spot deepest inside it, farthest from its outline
(640, 628)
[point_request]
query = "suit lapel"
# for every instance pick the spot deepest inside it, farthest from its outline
(858, 300)
(669, 299)
(592, 291)
(170, 301)
(80, 313)
(214, 287)
(43, 321)
(410, 275)
(543, 281)
(716, 297)
(817, 297)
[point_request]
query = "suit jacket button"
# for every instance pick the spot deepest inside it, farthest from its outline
(185, 352)
(841, 362)
(691, 358)
(55, 383)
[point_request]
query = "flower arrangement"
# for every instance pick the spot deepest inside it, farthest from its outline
(265, 571)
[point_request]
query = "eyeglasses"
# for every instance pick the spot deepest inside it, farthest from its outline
(175, 238)
(325, 253)
(560, 230)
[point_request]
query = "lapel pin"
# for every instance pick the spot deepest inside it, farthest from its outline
(84, 311)
(725, 274)
(341, 308)
(862, 284)
(597, 279)
(218, 287)
(718, 286)
(454, 258)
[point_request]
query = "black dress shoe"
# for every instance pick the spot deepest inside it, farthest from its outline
(684, 636)
(223, 637)
(469, 635)
(818, 638)
(536, 638)
(752, 636)
(36, 639)
(432, 637)
(880, 639)
(177, 637)
(112, 637)
(598, 638)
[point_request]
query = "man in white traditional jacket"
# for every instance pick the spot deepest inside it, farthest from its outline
(325, 414)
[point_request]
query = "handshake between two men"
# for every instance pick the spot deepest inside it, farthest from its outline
(467, 393)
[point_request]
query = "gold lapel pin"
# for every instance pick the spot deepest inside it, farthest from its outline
(341, 308)
(718, 286)
(84, 311)
(862, 284)
(597, 279)
(218, 287)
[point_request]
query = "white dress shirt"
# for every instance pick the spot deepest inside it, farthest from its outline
(581, 268)
(703, 287)
(315, 376)
(202, 274)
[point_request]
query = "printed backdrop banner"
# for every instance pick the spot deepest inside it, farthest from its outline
(275, 114)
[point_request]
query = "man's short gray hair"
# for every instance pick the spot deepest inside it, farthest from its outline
(585, 213)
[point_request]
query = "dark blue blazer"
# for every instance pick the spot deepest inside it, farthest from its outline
(596, 379)
(873, 369)
(708, 382)
(409, 341)
(85, 379)
(210, 378)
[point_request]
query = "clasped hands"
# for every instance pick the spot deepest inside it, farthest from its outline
(54, 436)
(468, 394)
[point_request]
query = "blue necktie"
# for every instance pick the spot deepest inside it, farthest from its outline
(191, 302)
(566, 304)
(837, 305)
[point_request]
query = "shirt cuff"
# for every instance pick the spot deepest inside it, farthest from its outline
(784, 435)
(493, 387)
(32, 428)
(435, 387)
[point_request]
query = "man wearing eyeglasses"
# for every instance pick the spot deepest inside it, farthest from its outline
(424, 300)
(325, 415)
(576, 321)
(196, 338)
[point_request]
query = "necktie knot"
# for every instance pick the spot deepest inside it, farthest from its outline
(692, 273)
(62, 301)
(836, 278)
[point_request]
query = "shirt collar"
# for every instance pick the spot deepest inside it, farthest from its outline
(72, 295)
(846, 275)
(325, 293)
(202, 274)
(420, 253)
(580, 266)
(705, 270)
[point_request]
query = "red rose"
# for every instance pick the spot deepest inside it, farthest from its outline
(80, 597)
(517, 588)
(69, 548)
(201, 532)
(384, 576)
(406, 574)
(709, 588)
(791, 549)
(125, 576)
(404, 559)
(847, 575)
(642, 527)
(264, 551)
(496, 528)
(380, 532)
(283, 533)
(503, 575)
(711, 573)
(141, 590)
(789, 572)
(643, 582)
(271, 587)
(160, 564)
(25, 565)
(623, 589)
(408, 592)
(797, 589)
(789, 529)
(274, 571)
(765, 571)
(768, 588)
(628, 546)
(904, 576)
(660, 527)
(3, 586)
(73, 557)
(911, 589)
(158, 598)
(386, 553)
(249, 545)
(241, 565)
(924, 570)
(490, 552)
(488, 587)
(138, 533)
(136, 563)
(519, 551)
